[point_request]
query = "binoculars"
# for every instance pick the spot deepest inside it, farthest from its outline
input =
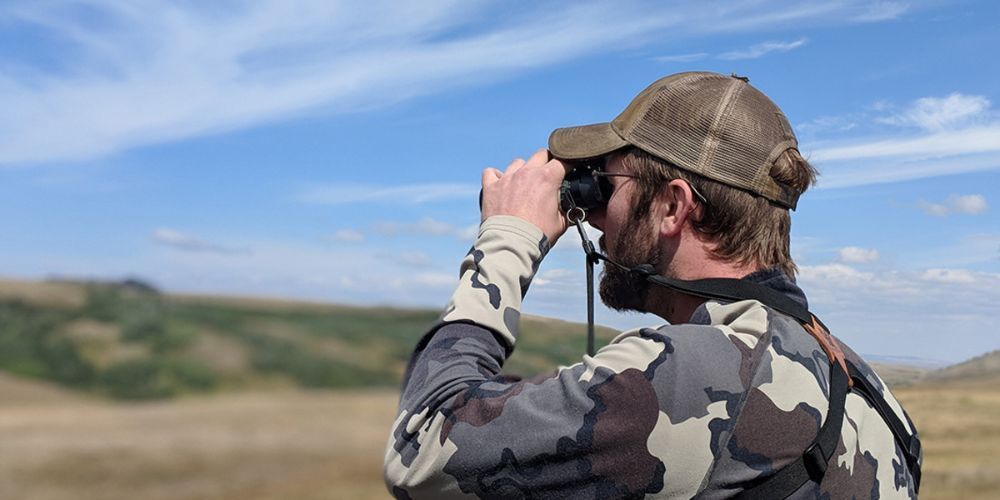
(584, 187)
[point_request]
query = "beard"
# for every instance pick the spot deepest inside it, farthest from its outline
(635, 245)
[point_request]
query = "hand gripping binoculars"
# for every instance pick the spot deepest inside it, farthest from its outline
(585, 187)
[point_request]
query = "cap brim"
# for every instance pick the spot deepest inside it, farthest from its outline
(587, 141)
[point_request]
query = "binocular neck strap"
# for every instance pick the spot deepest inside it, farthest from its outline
(592, 256)
(729, 289)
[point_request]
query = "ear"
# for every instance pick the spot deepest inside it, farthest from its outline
(675, 204)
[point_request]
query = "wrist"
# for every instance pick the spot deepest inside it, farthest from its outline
(495, 275)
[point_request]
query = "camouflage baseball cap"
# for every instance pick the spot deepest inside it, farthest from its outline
(714, 125)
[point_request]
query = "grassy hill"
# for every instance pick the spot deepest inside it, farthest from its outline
(128, 341)
(899, 375)
(986, 366)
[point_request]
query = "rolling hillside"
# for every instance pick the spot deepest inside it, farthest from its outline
(128, 341)
(984, 367)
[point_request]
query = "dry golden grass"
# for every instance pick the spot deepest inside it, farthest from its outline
(960, 432)
(253, 446)
(324, 445)
(58, 295)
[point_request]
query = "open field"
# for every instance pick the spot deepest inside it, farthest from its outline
(960, 432)
(291, 444)
(328, 444)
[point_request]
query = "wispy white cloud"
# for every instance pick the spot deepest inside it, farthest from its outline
(835, 273)
(408, 259)
(347, 235)
(867, 171)
(762, 49)
(958, 134)
(982, 139)
(858, 255)
(344, 194)
(571, 240)
(962, 276)
(427, 226)
(681, 58)
(556, 276)
(882, 11)
(182, 241)
(121, 74)
(940, 113)
(298, 269)
(970, 204)
(752, 52)
(836, 123)
(900, 312)
(977, 250)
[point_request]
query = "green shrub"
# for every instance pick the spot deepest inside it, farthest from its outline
(29, 346)
(65, 364)
(146, 331)
(158, 333)
(136, 379)
(103, 303)
(191, 376)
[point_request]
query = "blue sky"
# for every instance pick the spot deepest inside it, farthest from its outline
(329, 151)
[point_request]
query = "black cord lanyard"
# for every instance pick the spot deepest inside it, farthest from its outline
(710, 288)
(592, 256)
(577, 216)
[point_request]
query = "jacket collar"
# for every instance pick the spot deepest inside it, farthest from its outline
(777, 280)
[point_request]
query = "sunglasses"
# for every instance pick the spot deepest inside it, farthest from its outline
(587, 187)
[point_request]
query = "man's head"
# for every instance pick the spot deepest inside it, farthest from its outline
(719, 137)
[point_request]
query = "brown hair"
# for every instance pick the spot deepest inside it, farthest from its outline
(747, 229)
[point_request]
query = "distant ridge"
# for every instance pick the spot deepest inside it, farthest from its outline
(985, 366)
(907, 361)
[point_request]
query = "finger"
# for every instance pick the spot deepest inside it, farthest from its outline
(514, 166)
(556, 169)
(539, 158)
(491, 175)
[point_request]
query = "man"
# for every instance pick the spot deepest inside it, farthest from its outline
(745, 393)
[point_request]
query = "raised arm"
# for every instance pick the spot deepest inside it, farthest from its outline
(465, 429)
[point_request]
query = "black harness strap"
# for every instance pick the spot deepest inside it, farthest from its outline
(729, 289)
(844, 375)
(811, 466)
(909, 443)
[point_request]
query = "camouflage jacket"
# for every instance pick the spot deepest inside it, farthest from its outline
(698, 409)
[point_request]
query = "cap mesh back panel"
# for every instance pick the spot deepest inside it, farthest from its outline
(751, 131)
(677, 121)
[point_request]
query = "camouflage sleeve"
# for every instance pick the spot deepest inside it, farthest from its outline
(495, 275)
(465, 430)
(583, 432)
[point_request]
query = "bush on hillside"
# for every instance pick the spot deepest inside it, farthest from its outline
(135, 379)
(190, 376)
